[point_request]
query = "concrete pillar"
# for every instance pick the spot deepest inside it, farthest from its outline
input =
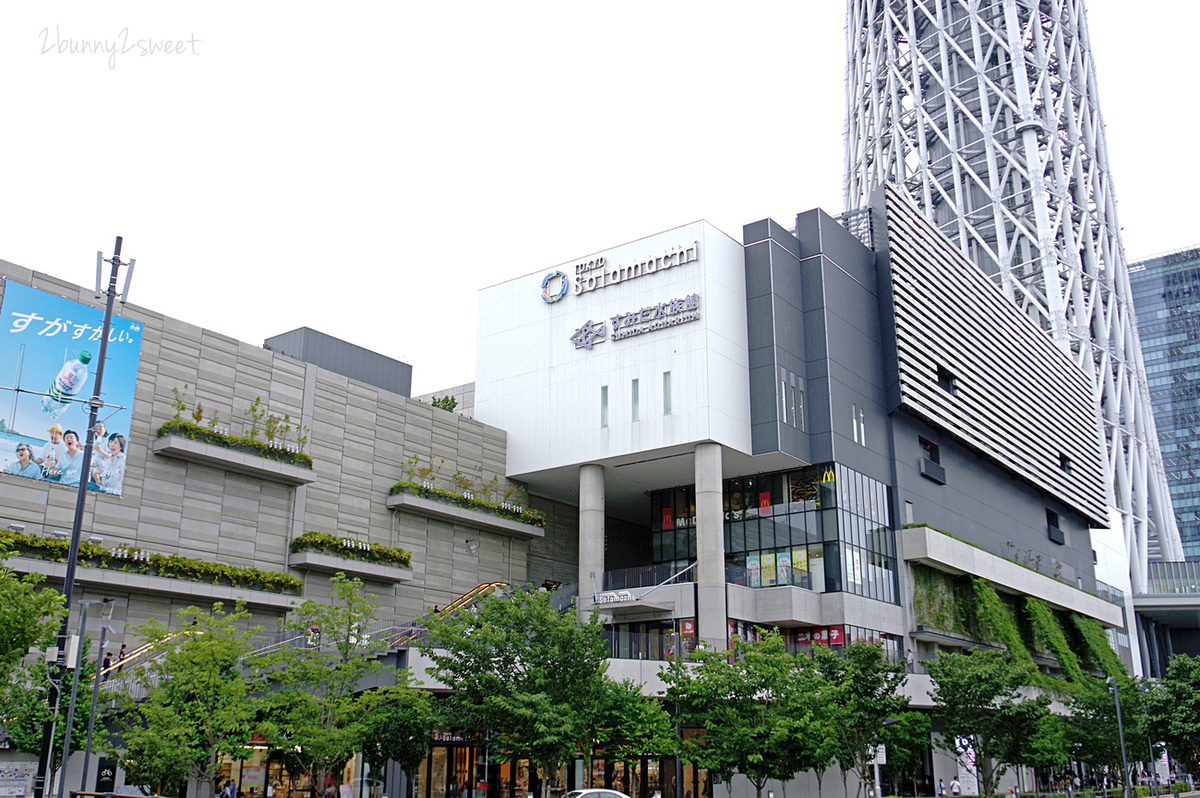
(710, 545)
(591, 535)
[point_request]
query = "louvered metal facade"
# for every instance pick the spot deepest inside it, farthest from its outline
(967, 362)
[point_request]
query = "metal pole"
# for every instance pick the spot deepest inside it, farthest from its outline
(87, 751)
(52, 697)
(66, 753)
(1121, 732)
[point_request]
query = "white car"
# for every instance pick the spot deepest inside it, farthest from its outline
(595, 793)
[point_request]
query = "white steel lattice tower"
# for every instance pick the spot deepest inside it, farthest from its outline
(986, 113)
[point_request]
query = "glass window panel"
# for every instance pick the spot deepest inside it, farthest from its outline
(766, 529)
(797, 525)
(816, 567)
(833, 567)
(735, 500)
(829, 525)
(800, 567)
(750, 498)
(783, 566)
(737, 534)
(682, 511)
(813, 527)
(753, 538)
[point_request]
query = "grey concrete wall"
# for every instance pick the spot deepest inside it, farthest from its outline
(359, 436)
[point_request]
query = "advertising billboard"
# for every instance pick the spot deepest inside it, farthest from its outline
(49, 351)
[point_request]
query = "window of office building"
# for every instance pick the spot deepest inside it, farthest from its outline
(791, 400)
(858, 420)
(603, 405)
(666, 393)
(633, 399)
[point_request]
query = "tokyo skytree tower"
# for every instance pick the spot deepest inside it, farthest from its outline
(986, 113)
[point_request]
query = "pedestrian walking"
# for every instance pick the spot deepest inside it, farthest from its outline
(105, 666)
(941, 789)
(910, 661)
(955, 786)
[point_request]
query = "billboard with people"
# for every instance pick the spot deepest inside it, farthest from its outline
(49, 353)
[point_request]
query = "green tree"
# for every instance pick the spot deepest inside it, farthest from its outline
(320, 715)
(520, 667)
(1091, 729)
(979, 698)
(906, 741)
(397, 727)
(25, 710)
(1173, 710)
(630, 725)
(765, 714)
(865, 689)
(29, 616)
(447, 403)
(198, 707)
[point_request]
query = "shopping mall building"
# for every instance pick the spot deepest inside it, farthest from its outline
(817, 430)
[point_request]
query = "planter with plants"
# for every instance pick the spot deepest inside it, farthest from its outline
(467, 501)
(265, 449)
(481, 500)
(320, 551)
(134, 560)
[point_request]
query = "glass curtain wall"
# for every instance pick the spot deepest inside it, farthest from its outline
(825, 528)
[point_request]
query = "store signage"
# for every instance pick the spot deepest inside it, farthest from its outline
(597, 272)
(613, 597)
(658, 316)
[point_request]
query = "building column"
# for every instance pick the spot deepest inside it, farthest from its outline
(591, 535)
(711, 620)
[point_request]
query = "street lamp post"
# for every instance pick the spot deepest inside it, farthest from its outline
(66, 754)
(1116, 691)
(87, 750)
(68, 589)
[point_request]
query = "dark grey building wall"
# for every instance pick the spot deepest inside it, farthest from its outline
(829, 327)
(987, 506)
(343, 358)
(776, 337)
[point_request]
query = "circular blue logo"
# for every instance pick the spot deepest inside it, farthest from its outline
(552, 291)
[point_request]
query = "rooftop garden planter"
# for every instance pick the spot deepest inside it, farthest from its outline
(467, 501)
(138, 561)
(237, 443)
(349, 549)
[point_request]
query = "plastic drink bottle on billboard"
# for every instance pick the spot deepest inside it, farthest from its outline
(67, 384)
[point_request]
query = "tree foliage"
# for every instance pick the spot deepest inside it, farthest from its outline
(865, 688)
(522, 668)
(766, 714)
(198, 707)
(980, 698)
(25, 708)
(397, 727)
(906, 741)
(630, 725)
(1092, 729)
(29, 617)
(320, 715)
(1173, 710)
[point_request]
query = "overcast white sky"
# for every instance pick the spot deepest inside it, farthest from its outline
(364, 168)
